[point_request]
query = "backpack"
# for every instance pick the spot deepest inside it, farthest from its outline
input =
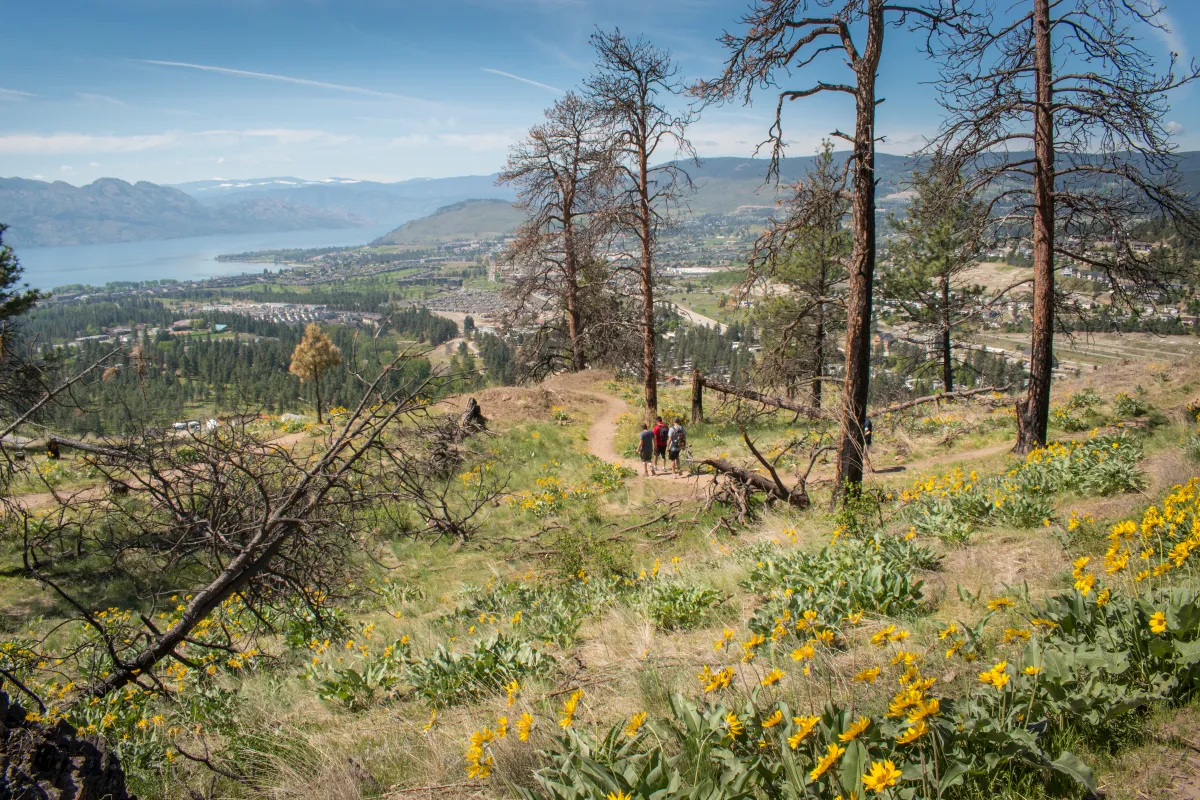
(660, 435)
(680, 438)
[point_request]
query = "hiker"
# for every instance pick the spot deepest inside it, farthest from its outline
(660, 443)
(646, 448)
(676, 443)
(867, 445)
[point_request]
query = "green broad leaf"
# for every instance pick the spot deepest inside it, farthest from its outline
(1069, 764)
(952, 777)
(1188, 652)
(855, 763)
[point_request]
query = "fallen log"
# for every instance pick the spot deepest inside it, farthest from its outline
(756, 396)
(796, 497)
(942, 396)
(76, 444)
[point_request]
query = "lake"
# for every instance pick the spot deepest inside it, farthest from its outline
(171, 259)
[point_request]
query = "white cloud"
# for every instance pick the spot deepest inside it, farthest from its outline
(1175, 128)
(268, 76)
(94, 164)
(410, 140)
(39, 177)
(221, 160)
(101, 98)
(47, 144)
(15, 95)
(478, 142)
(67, 168)
(547, 87)
(1169, 35)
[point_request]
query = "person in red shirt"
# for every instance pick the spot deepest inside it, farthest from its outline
(660, 443)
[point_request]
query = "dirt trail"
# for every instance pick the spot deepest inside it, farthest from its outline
(949, 458)
(601, 442)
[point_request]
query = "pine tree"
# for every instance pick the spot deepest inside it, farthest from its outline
(315, 355)
(938, 244)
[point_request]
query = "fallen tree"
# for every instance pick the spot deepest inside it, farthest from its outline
(746, 394)
(933, 398)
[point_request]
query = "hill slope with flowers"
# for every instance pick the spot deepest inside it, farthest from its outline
(978, 625)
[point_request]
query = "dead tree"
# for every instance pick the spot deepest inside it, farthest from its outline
(1070, 154)
(773, 485)
(788, 36)
(633, 84)
(234, 520)
(565, 173)
(746, 393)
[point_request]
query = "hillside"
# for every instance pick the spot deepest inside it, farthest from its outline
(959, 622)
(111, 210)
(469, 219)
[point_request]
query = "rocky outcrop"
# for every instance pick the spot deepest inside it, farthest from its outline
(40, 761)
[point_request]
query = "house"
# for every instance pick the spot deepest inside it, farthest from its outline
(181, 325)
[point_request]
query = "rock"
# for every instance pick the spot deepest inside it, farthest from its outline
(40, 761)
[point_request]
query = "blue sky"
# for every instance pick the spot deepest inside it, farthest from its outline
(177, 90)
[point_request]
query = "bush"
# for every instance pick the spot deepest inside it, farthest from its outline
(1128, 405)
(673, 605)
(844, 578)
(449, 678)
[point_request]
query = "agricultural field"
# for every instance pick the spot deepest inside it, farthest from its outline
(977, 625)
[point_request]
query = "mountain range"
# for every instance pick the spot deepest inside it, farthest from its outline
(111, 210)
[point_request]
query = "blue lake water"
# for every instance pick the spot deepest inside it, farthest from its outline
(170, 259)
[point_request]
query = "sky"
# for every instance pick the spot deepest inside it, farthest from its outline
(170, 91)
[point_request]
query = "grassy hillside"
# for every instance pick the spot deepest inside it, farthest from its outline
(470, 219)
(622, 635)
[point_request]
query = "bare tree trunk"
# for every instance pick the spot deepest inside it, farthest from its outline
(649, 362)
(819, 351)
(571, 270)
(1033, 412)
(947, 353)
(862, 267)
(317, 386)
(697, 397)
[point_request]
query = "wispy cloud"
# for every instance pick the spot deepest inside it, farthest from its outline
(545, 86)
(65, 143)
(14, 94)
(46, 144)
(269, 76)
(1169, 35)
(101, 98)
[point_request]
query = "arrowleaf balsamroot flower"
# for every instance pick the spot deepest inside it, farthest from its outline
(524, 726)
(773, 677)
(867, 675)
(918, 729)
(856, 727)
(634, 726)
(1158, 622)
(734, 725)
(882, 775)
(804, 726)
(832, 754)
(773, 719)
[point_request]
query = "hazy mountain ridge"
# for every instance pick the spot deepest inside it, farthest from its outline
(111, 210)
(468, 219)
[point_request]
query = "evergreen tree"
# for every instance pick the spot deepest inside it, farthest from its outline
(938, 243)
(315, 355)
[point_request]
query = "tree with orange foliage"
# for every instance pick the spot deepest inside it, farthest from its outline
(314, 356)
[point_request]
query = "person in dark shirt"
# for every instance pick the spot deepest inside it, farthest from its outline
(646, 448)
(867, 445)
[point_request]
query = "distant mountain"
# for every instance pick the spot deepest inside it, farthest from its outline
(111, 210)
(470, 219)
(378, 202)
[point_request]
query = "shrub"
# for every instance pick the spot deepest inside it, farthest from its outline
(1130, 405)
(674, 605)
(448, 678)
(843, 578)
